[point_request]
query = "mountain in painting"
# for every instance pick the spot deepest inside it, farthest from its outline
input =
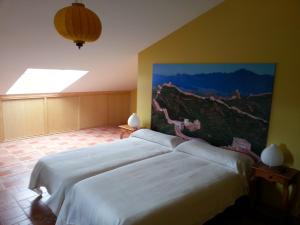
(218, 83)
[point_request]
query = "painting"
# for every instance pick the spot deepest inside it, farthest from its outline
(227, 105)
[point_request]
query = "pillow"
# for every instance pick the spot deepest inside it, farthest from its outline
(166, 140)
(235, 161)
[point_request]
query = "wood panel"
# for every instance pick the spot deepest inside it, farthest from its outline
(133, 99)
(118, 108)
(62, 114)
(31, 115)
(23, 118)
(93, 111)
(1, 123)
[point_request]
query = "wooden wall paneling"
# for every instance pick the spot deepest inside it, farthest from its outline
(23, 118)
(62, 114)
(1, 123)
(78, 113)
(46, 130)
(93, 111)
(32, 115)
(133, 99)
(118, 108)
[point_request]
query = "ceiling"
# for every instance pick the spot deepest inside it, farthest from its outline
(29, 40)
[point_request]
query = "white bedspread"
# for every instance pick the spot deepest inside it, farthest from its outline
(59, 172)
(169, 189)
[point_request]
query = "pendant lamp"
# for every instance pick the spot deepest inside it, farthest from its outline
(78, 23)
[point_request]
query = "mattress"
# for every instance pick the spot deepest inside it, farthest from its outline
(59, 172)
(174, 188)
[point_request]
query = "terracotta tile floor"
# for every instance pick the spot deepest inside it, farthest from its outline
(19, 205)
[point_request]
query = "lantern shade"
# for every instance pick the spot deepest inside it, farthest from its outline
(78, 24)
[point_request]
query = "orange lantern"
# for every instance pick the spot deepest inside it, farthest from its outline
(78, 24)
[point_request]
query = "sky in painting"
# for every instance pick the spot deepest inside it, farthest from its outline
(172, 69)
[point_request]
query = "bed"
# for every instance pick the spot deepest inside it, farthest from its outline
(187, 186)
(57, 173)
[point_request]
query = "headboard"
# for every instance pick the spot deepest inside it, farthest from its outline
(227, 105)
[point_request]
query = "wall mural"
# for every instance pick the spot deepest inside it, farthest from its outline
(227, 105)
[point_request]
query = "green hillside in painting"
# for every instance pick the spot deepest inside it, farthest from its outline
(220, 119)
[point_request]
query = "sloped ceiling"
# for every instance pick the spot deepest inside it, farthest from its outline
(28, 39)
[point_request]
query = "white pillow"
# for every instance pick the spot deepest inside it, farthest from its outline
(235, 161)
(166, 140)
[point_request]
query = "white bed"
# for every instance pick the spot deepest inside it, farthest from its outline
(188, 186)
(59, 172)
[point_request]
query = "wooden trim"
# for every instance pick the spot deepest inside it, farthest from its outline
(59, 95)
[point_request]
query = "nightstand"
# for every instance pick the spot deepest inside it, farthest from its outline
(283, 175)
(125, 129)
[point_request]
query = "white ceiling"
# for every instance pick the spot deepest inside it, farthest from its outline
(28, 38)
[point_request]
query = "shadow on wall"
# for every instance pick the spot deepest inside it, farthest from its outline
(288, 157)
(289, 160)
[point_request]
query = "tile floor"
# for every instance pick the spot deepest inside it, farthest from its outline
(19, 205)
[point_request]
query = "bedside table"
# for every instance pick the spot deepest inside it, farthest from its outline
(283, 175)
(125, 129)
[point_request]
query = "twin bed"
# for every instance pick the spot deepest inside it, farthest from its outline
(149, 178)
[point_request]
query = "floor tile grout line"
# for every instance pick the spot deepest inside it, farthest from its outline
(21, 153)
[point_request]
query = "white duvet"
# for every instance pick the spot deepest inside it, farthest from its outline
(175, 188)
(59, 172)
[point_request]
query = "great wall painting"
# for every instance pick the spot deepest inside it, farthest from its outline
(227, 105)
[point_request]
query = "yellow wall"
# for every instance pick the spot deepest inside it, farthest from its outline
(240, 31)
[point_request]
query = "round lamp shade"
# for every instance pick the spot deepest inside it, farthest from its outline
(78, 24)
(134, 121)
(272, 156)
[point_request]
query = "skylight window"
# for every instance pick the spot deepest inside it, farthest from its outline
(34, 81)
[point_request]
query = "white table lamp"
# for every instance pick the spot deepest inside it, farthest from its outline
(134, 121)
(272, 156)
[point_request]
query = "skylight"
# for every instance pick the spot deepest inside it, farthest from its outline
(34, 81)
